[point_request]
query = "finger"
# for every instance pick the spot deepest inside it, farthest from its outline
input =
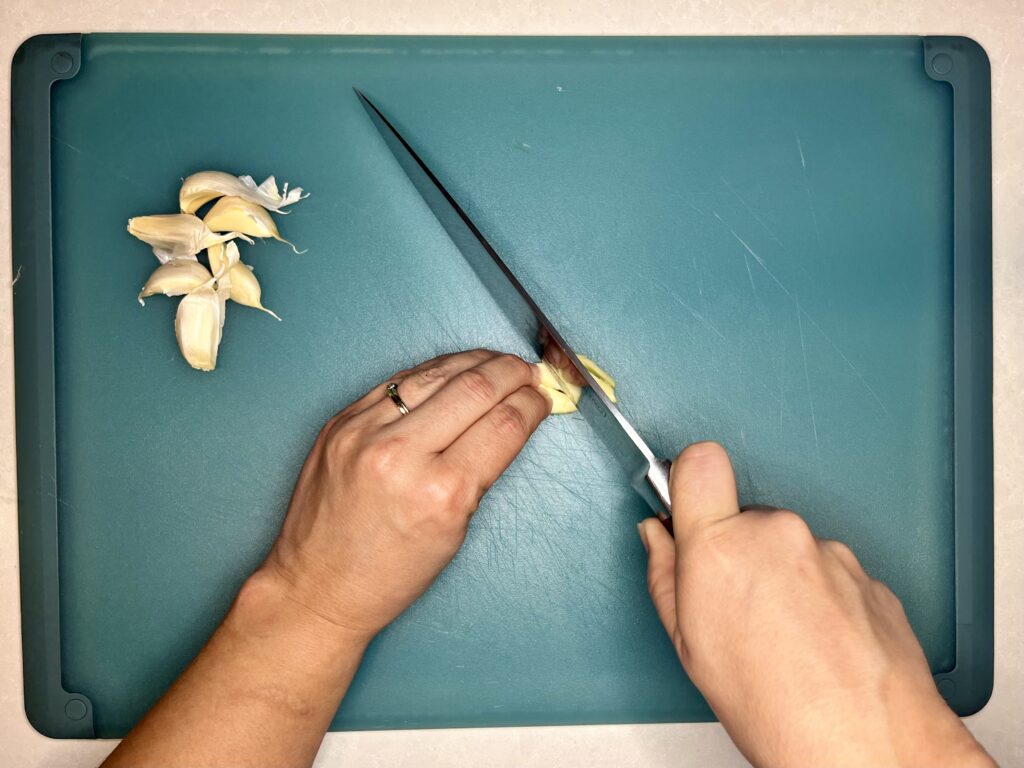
(464, 400)
(661, 571)
(703, 489)
(374, 395)
(486, 449)
(416, 386)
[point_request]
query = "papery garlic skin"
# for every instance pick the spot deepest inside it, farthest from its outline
(200, 188)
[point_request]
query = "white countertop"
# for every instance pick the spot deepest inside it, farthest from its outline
(997, 24)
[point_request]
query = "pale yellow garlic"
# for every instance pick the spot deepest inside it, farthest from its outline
(235, 213)
(177, 235)
(200, 188)
(176, 278)
(243, 287)
(565, 394)
(199, 326)
(599, 375)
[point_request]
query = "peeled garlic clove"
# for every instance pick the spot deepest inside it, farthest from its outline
(177, 235)
(200, 188)
(175, 278)
(199, 326)
(565, 394)
(561, 403)
(243, 286)
(236, 213)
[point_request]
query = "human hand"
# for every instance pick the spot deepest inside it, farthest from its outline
(804, 658)
(384, 500)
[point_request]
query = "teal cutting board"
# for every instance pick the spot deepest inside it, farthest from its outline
(761, 238)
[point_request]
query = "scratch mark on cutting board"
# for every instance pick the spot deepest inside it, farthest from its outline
(807, 187)
(800, 149)
(760, 262)
(750, 275)
(17, 277)
(849, 363)
(807, 381)
(700, 274)
(751, 211)
(699, 317)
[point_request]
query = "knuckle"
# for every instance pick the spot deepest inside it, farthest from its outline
(383, 458)
(477, 385)
(445, 503)
(520, 367)
(792, 529)
(510, 422)
(841, 552)
(430, 375)
(884, 595)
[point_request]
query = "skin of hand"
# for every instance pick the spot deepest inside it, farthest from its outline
(804, 658)
(381, 506)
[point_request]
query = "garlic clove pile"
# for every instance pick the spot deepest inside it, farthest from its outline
(178, 238)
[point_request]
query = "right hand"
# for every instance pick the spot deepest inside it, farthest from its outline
(804, 658)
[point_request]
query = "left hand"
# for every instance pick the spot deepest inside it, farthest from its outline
(384, 500)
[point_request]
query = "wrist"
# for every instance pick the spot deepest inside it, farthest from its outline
(927, 732)
(270, 606)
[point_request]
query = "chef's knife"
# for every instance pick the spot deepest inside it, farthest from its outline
(648, 474)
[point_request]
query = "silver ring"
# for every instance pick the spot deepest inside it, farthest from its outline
(397, 399)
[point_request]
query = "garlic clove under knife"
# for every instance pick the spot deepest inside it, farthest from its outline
(565, 394)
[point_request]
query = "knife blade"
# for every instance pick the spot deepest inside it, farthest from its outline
(648, 474)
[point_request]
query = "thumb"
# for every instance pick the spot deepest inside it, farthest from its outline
(703, 488)
(661, 571)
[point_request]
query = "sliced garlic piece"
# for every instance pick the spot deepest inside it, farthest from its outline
(177, 235)
(199, 326)
(176, 278)
(243, 286)
(564, 393)
(599, 374)
(200, 188)
(236, 213)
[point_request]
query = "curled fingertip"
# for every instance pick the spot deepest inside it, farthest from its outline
(643, 537)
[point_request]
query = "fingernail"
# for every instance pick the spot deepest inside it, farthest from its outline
(643, 537)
